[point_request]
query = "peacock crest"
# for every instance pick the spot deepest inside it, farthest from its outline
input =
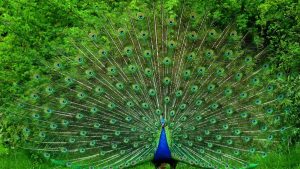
(157, 86)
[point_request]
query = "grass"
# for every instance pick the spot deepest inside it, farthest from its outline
(22, 160)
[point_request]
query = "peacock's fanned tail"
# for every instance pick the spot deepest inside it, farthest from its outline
(100, 104)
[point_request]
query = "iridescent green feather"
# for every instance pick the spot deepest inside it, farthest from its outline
(100, 105)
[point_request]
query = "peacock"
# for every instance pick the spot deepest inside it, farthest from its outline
(158, 86)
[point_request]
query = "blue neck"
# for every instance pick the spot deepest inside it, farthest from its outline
(163, 152)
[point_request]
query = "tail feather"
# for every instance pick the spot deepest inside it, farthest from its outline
(99, 104)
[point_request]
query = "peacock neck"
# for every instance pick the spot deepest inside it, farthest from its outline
(163, 152)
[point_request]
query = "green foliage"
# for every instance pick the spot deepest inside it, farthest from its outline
(20, 159)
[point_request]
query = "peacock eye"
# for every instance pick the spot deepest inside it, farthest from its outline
(140, 16)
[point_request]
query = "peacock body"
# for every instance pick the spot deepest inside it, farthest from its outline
(157, 87)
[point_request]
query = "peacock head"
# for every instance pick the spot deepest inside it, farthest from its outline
(162, 121)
